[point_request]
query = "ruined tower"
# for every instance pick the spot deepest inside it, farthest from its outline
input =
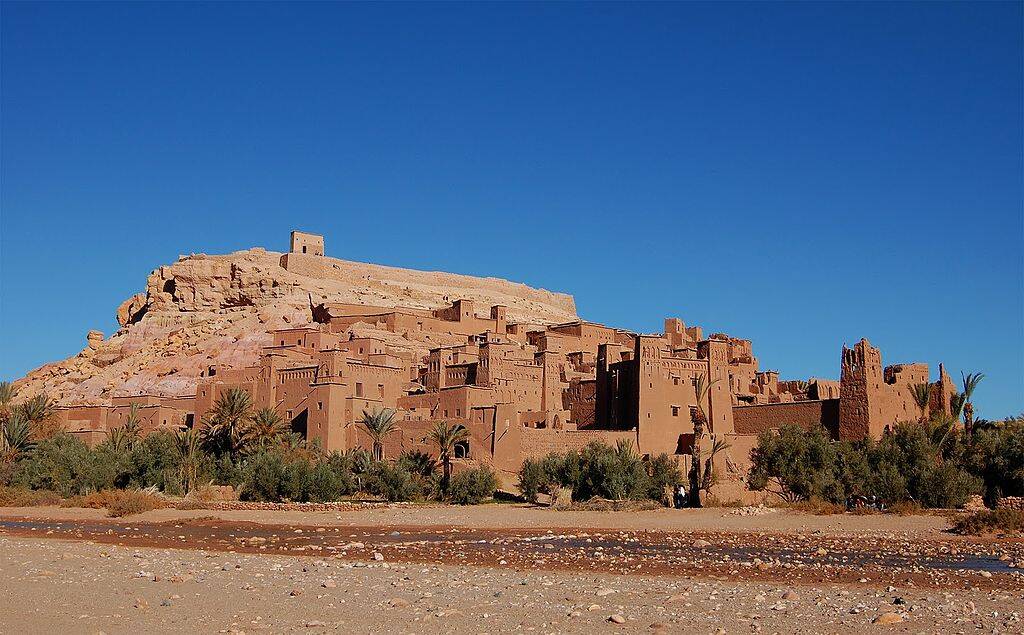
(859, 381)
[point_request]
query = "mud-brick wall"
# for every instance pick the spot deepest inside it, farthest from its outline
(806, 414)
(536, 442)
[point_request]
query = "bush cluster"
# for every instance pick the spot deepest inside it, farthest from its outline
(991, 521)
(601, 471)
(64, 465)
(931, 464)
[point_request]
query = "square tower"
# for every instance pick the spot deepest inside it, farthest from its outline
(303, 243)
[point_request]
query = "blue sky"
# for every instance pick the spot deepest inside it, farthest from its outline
(802, 175)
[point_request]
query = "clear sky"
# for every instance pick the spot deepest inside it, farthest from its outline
(802, 175)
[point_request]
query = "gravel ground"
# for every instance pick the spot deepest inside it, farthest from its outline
(494, 569)
(77, 587)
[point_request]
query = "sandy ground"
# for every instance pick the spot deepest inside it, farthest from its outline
(494, 569)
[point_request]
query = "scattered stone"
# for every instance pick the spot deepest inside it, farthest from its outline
(888, 618)
(615, 618)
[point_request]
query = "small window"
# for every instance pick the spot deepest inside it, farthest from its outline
(359, 389)
(319, 405)
(303, 249)
(675, 381)
(675, 411)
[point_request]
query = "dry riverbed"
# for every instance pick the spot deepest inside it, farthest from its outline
(406, 570)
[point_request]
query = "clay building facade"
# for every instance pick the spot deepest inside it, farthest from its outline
(525, 389)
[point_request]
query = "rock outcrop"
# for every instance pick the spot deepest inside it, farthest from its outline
(204, 310)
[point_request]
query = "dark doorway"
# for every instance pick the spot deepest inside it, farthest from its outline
(299, 423)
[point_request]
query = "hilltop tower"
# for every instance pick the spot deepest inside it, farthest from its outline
(310, 244)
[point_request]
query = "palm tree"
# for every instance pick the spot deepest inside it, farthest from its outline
(717, 445)
(7, 394)
(228, 426)
(379, 425)
(133, 423)
(268, 428)
(445, 437)
(189, 450)
(123, 437)
(40, 411)
(939, 429)
(362, 464)
(956, 405)
(17, 436)
(699, 418)
(418, 462)
(971, 381)
(922, 394)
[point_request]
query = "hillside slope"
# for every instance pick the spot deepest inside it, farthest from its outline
(205, 310)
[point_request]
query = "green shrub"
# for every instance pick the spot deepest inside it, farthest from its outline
(541, 476)
(263, 477)
(325, 484)
(473, 486)
(796, 464)
(65, 465)
(931, 474)
(615, 473)
(601, 471)
(152, 461)
(393, 483)
(665, 476)
(915, 462)
(946, 486)
(996, 455)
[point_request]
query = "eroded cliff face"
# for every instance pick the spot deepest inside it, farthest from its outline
(205, 310)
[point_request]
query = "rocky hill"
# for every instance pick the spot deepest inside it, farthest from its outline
(205, 310)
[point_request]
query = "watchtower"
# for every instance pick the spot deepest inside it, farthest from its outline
(303, 243)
